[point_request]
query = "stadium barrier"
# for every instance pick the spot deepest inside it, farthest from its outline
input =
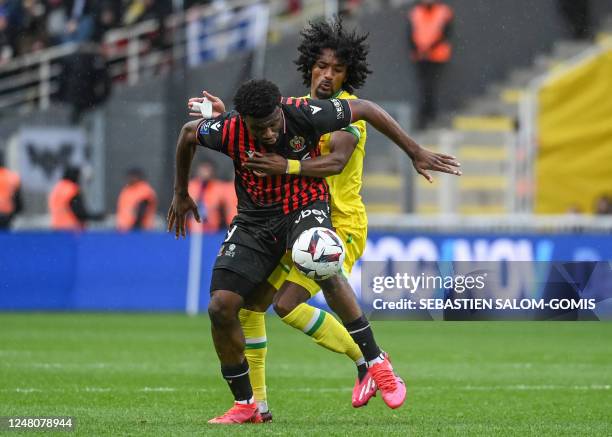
(31, 81)
(107, 271)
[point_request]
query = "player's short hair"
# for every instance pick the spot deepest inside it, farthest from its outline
(257, 98)
(350, 48)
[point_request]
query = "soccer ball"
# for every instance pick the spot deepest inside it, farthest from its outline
(318, 253)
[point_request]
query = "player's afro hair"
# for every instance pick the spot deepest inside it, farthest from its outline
(350, 48)
(257, 98)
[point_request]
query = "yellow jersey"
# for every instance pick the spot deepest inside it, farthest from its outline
(347, 206)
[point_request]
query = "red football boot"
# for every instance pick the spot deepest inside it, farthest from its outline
(239, 413)
(363, 390)
(391, 386)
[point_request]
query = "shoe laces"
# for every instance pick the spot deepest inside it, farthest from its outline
(385, 378)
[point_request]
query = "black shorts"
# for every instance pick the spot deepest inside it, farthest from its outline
(254, 245)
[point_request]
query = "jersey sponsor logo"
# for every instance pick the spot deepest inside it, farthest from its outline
(297, 144)
(319, 215)
(314, 109)
(216, 126)
(339, 109)
(205, 127)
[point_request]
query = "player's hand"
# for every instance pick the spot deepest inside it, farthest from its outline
(267, 164)
(177, 214)
(427, 160)
(217, 105)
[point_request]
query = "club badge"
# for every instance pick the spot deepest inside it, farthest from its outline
(297, 144)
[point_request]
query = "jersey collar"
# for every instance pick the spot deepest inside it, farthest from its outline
(340, 91)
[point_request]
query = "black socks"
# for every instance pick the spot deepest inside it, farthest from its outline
(237, 378)
(364, 337)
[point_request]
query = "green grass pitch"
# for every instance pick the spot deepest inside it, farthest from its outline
(133, 374)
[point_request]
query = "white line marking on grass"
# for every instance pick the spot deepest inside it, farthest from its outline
(518, 387)
(158, 389)
(96, 390)
(523, 387)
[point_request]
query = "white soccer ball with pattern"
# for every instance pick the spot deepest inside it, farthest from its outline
(318, 253)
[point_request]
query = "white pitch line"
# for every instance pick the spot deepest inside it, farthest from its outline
(519, 387)
(525, 387)
(158, 389)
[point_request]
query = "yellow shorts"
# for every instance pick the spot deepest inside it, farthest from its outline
(354, 243)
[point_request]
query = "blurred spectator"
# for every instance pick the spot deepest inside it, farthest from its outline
(430, 22)
(6, 50)
(10, 22)
(603, 206)
(32, 32)
(216, 200)
(10, 194)
(66, 204)
(142, 10)
(137, 203)
(577, 16)
(80, 26)
(107, 15)
(56, 19)
(84, 82)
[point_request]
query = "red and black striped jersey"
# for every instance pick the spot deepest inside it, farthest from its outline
(305, 120)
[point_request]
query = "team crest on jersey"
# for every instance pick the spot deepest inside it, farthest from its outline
(297, 144)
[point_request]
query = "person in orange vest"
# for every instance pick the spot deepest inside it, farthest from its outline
(10, 195)
(430, 22)
(216, 200)
(66, 203)
(137, 203)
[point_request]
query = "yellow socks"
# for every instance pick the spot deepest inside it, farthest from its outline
(324, 329)
(254, 328)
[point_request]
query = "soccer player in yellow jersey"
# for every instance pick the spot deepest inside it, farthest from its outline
(333, 63)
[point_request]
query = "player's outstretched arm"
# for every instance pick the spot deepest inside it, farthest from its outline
(422, 159)
(341, 148)
(181, 202)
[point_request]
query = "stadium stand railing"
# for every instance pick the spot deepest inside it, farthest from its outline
(30, 82)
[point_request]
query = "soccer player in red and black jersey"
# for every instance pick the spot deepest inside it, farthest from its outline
(272, 212)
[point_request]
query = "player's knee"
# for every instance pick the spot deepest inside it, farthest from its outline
(261, 300)
(331, 285)
(284, 306)
(220, 311)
